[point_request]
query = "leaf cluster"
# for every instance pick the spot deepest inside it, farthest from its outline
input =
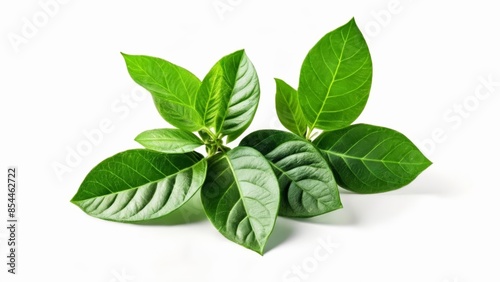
(271, 172)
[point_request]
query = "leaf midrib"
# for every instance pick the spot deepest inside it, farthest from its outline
(215, 98)
(344, 156)
(137, 187)
(225, 112)
(236, 182)
(171, 139)
(168, 92)
(296, 111)
(333, 79)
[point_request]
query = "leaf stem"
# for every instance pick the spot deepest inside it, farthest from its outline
(215, 143)
(309, 133)
(209, 133)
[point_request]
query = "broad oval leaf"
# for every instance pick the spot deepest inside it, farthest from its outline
(307, 185)
(371, 159)
(139, 185)
(229, 95)
(169, 140)
(173, 88)
(288, 108)
(335, 79)
(241, 197)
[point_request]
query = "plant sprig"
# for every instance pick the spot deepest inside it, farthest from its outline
(271, 172)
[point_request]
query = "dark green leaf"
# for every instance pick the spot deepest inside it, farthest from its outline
(169, 140)
(335, 79)
(371, 159)
(288, 108)
(241, 197)
(306, 181)
(173, 88)
(138, 185)
(229, 95)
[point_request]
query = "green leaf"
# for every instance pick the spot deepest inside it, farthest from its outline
(173, 88)
(139, 185)
(229, 95)
(169, 140)
(371, 159)
(241, 197)
(307, 185)
(288, 108)
(335, 79)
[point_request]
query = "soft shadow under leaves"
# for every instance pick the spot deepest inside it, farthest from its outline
(283, 230)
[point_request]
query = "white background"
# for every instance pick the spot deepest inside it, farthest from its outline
(66, 76)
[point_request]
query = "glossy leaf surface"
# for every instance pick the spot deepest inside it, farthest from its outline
(371, 159)
(173, 88)
(288, 108)
(335, 79)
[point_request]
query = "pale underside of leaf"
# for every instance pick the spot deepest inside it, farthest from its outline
(139, 186)
(241, 197)
(307, 185)
(169, 140)
(229, 94)
(242, 104)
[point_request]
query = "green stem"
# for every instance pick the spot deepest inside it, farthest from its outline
(209, 133)
(215, 144)
(309, 133)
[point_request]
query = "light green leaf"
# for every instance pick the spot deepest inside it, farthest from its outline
(139, 185)
(169, 140)
(335, 79)
(229, 95)
(371, 159)
(173, 88)
(306, 181)
(241, 197)
(288, 108)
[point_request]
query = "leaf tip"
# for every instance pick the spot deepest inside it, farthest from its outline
(73, 200)
(426, 162)
(138, 138)
(258, 249)
(240, 52)
(127, 58)
(352, 22)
